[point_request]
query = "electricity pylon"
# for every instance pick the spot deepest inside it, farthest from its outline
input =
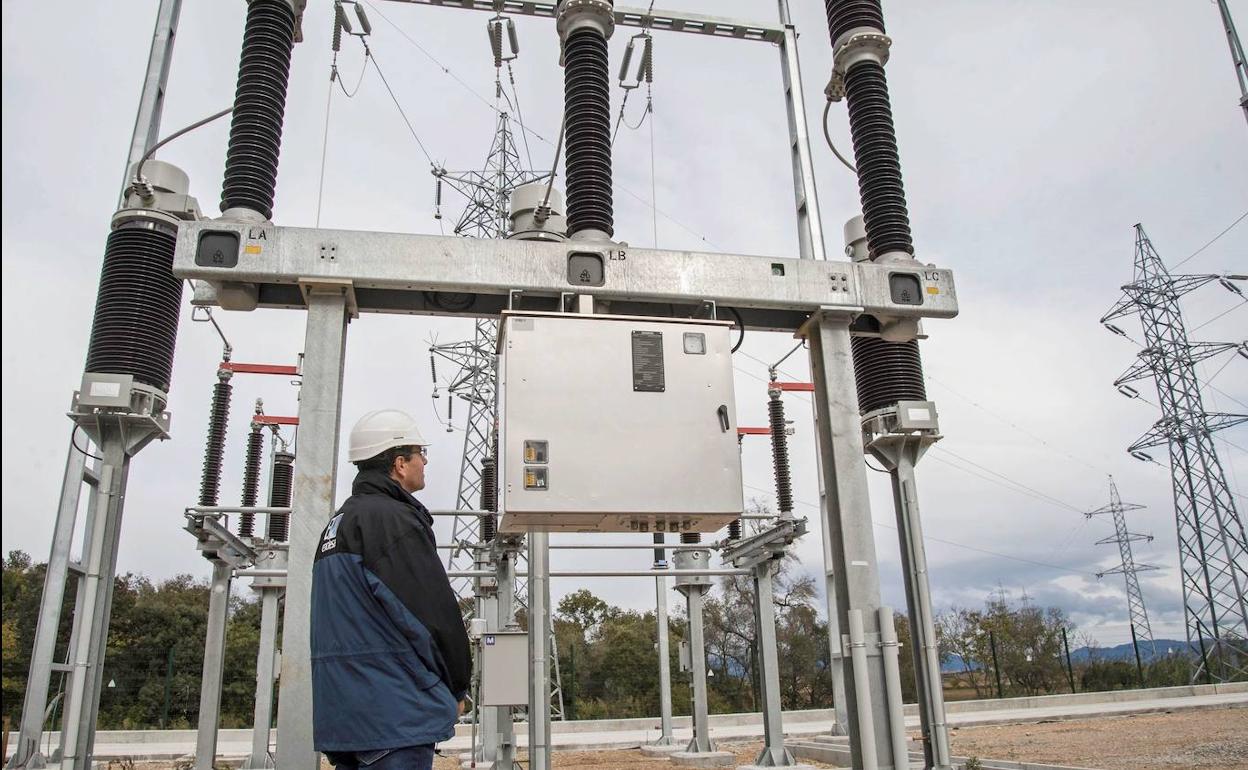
(1213, 548)
(1141, 631)
(473, 382)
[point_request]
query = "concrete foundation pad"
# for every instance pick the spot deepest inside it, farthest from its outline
(760, 767)
(660, 751)
(704, 758)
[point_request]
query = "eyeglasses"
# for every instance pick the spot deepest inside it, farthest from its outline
(423, 451)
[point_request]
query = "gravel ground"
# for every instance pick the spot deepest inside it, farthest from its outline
(1200, 740)
(1185, 740)
(630, 759)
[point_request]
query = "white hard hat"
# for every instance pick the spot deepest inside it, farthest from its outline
(380, 430)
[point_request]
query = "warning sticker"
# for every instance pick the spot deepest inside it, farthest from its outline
(648, 362)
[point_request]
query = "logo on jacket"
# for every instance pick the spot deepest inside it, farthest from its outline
(331, 534)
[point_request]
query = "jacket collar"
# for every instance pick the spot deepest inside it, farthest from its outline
(378, 483)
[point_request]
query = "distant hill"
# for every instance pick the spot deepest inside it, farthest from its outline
(1124, 651)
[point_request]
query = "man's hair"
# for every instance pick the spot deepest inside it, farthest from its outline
(384, 462)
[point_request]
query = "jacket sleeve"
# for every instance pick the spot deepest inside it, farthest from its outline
(405, 562)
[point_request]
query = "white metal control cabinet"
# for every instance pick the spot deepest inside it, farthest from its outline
(504, 665)
(616, 424)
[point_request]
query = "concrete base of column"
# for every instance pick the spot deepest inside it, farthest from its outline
(660, 751)
(762, 767)
(704, 758)
(483, 764)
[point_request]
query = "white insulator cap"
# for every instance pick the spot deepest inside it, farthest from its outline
(530, 220)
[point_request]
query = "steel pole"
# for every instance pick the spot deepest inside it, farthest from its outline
(665, 663)
(214, 667)
(836, 650)
(1237, 54)
(100, 568)
(487, 717)
(701, 741)
(996, 666)
(539, 651)
(143, 136)
(809, 226)
(266, 670)
(855, 573)
(152, 98)
(773, 753)
(485, 601)
(505, 753)
(900, 453)
(316, 473)
(55, 577)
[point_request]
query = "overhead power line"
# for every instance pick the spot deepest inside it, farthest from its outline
(1212, 241)
(954, 543)
(371, 57)
(529, 130)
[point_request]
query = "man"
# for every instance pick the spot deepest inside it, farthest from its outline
(390, 657)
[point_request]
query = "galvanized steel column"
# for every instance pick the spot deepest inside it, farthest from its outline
(853, 567)
(316, 473)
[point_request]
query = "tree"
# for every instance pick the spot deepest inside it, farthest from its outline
(584, 611)
(150, 625)
(1028, 643)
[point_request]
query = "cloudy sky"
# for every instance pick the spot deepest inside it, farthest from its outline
(1033, 137)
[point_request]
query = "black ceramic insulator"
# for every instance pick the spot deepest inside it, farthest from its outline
(496, 43)
(489, 484)
(251, 481)
(690, 538)
(734, 529)
(844, 15)
(279, 495)
(489, 499)
(137, 305)
(660, 554)
(214, 447)
(259, 107)
(587, 139)
(887, 372)
(336, 41)
(780, 451)
(879, 168)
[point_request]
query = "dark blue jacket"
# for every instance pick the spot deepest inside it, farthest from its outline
(390, 657)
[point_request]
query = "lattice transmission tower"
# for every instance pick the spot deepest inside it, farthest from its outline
(1237, 54)
(1213, 548)
(1141, 630)
(472, 380)
(486, 214)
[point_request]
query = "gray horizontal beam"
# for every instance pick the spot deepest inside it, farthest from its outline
(653, 573)
(481, 573)
(441, 275)
(669, 21)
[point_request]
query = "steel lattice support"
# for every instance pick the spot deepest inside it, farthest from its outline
(1213, 548)
(1237, 54)
(1141, 631)
(486, 215)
